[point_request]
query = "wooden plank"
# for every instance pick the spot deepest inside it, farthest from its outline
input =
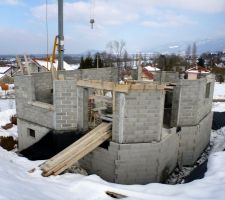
(27, 65)
(78, 144)
(19, 64)
(90, 147)
(101, 127)
(50, 164)
(114, 101)
(103, 85)
(77, 153)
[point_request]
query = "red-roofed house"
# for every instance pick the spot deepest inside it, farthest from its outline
(197, 72)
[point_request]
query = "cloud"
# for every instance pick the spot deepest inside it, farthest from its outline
(17, 41)
(105, 12)
(168, 20)
(205, 6)
(10, 2)
(118, 12)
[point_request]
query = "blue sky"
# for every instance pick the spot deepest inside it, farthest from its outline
(143, 24)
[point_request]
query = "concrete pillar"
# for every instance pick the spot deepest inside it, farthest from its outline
(118, 118)
(82, 105)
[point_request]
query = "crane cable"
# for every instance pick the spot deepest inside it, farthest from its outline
(47, 34)
(92, 5)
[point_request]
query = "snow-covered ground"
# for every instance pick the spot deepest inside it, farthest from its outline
(219, 91)
(16, 183)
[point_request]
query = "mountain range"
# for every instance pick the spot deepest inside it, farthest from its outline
(204, 45)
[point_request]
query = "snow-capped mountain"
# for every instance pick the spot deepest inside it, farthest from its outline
(204, 45)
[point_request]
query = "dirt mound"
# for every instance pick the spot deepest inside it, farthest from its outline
(7, 143)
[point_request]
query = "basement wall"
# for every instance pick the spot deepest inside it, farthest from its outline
(138, 163)
(24, 138)
(194, 139)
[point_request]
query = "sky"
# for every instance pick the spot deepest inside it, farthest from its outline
(142, 24)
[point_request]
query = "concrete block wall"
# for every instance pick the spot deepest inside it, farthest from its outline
(65, 103)
(203, 135)
(102, 162)
(138, 116)
(168, 157)
(71, 74)
(25, 95)
(107, 74)
(138, 163)
(25, 140)
(205, 103)
(190, 104)
(43, 87)
(35, 68)
(166, 76)
(193, 140)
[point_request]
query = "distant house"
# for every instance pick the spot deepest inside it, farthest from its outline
(148, 73)
(43, 64)
(6, 70)
(6, 74)
(197, 72)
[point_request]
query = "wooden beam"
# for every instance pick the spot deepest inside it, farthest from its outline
(125, 88)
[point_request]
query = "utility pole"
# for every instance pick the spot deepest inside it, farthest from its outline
(97, 61)
(60, 35)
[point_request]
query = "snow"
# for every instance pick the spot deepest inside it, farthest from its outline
(219, 91)
(66, 66)
(6, 104)
(4, 119)
(218, 107)
(17, 183)
(152, 69)
(4, 69)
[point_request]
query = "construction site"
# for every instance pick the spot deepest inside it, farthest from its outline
(133, 133)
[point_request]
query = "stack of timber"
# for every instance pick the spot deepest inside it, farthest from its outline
(66, 158)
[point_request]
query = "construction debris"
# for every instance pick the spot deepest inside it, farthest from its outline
(115, 195)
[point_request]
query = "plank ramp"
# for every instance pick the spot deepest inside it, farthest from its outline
(70, 155)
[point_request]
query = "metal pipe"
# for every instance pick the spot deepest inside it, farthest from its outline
(60, 35)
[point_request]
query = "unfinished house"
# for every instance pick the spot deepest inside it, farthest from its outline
(155, 125)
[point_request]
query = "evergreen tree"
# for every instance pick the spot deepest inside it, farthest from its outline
(88, 63)
(201, 62)
(82, 64)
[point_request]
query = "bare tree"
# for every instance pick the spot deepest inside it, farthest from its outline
(188, 56)
(194, 56)
(117, 48)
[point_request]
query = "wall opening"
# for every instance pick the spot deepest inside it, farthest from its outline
(167, 109)
(31, 132)
(207, 90)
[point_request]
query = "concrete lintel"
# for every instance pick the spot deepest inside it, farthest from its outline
(43, 105)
